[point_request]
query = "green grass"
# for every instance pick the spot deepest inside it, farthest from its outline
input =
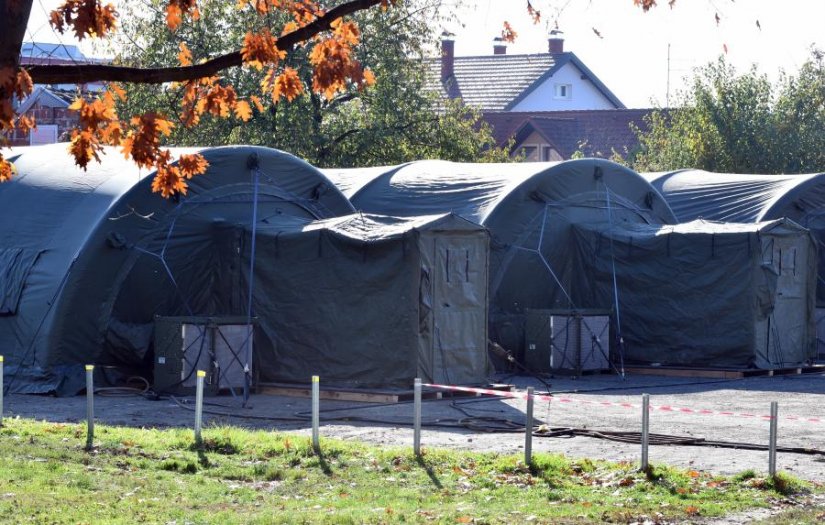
(239, 476)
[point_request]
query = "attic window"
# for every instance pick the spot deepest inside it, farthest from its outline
(528, 152)
(564, 91)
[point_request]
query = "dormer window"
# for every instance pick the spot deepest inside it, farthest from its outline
(564, 91)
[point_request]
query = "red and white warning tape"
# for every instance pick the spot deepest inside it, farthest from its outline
(661, 408)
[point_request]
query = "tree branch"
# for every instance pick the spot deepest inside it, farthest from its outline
(85, 73)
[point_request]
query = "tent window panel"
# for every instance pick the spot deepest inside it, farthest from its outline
(767, 253)
(15, 266)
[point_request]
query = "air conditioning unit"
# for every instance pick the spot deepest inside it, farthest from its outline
(572, 341)
(220, 346)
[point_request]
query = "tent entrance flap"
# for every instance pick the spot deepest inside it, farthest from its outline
(458, 304)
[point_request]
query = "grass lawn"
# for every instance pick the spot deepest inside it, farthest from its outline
(240, 476)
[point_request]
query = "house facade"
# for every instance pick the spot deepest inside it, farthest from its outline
(49, 104)
(550, 105)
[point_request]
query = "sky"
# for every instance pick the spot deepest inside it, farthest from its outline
(631, 56)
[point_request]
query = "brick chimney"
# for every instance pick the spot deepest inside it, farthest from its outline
(447, 55)
(499, 46)
(556, 42)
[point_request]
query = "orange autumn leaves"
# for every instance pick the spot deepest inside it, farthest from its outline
(333, 62)
(13, 84)
(331, 55)
(85, 17)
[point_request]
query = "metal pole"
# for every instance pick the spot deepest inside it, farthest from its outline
(772, 449)
(528, 431)
(1, 390)
(90, 407)
(316, 413)
(199, 407)
(417, 416)
(645, 430)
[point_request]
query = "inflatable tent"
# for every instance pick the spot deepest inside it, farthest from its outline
(89, 258)
(397, 298)
(708, 294)
(729, 197)
(752, 198)
(528, 209)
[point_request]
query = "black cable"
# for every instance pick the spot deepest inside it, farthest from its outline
(492, 424)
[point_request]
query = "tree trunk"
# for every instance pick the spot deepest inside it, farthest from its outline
(15, 17)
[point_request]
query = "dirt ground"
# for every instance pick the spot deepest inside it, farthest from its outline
(797, 395)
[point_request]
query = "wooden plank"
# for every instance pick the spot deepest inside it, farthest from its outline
(337, 395)
(686, 372)
(718, 373)
(363, 395)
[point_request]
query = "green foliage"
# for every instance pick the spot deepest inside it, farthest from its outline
(391, 122)
(735, 123)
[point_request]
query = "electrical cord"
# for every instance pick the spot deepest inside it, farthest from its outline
(493, 424)
(125, 391)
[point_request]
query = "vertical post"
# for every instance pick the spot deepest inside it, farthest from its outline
(199, 407)
(528, 431)
(1, 390)
(417, 416)
(772, 448)
(90, 407)
(316, 415)
(645, 431)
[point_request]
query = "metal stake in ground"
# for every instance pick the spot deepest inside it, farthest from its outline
(417, 416)
(199, 407)
(645, 430)
(772, 447)
(90, 407)
(316, 414)
(528, 431)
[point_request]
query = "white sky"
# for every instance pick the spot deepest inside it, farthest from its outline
(631, 57)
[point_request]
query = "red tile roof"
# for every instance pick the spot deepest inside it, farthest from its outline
(596, 132)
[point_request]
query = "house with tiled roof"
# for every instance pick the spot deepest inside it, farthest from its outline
(559, 135)
(550, 104)
(552, 81)
(49, 104)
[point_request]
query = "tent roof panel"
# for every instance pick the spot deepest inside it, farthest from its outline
(367, 227)
(694, 194)
(484, 192)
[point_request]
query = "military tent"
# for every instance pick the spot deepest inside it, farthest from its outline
(527, 207)
(89, 258)
(752, 198)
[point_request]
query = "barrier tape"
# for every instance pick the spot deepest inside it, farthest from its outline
(661, 408)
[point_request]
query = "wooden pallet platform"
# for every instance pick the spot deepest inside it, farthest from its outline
(722, 373)
(365, 395)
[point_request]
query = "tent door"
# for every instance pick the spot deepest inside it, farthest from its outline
(459, 308)
(785, 333)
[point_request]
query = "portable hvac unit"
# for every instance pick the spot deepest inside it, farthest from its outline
(220, 346)
(567, 341)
